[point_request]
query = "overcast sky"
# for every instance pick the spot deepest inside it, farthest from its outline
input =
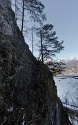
(63, 14)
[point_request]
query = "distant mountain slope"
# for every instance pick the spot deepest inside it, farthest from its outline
(70, 63)
(63, 66)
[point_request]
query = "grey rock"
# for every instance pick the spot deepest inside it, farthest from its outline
(25, 83)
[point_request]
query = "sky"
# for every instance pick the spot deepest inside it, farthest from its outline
(63, 15)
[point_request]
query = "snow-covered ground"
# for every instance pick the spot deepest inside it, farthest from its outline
(66, 85)
(67, 89)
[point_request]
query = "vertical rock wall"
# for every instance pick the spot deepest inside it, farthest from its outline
(28, 95)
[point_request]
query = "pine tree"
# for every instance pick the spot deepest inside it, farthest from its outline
(33, 7)
(49, 43)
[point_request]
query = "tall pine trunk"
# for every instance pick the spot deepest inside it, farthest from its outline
(32, 40)
(41, 48)
(22, 17)
(16, 10)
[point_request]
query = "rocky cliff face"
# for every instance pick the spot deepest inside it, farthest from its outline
(28, 95)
